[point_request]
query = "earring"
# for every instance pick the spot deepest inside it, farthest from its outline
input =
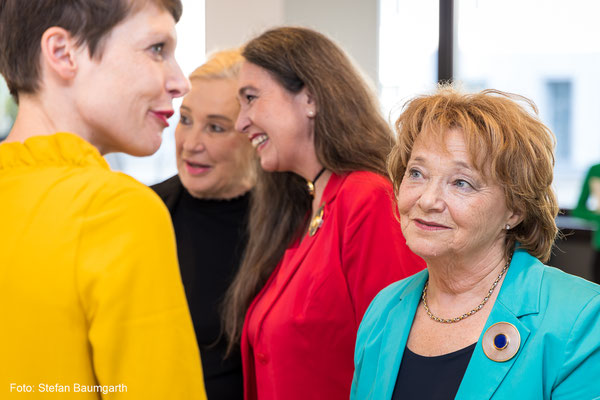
(310, 113)
(507, 227)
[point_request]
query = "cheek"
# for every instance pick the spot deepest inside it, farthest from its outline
(223, 152)
(238, 144)
(403, 204)
(178, 142)
(406, 198)
(472, 215)
(268, 119)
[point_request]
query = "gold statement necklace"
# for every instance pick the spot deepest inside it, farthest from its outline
(473, 311)
(310, 185)
(317, 220)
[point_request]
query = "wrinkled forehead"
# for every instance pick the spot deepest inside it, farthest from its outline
(451, 139)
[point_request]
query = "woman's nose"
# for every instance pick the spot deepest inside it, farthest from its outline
(431, 198)
(177, 83)
(194, 142)
(242, 122)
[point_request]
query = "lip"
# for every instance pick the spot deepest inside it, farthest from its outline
(162, 116)
(195, 168)
(429, 225)
(253, 136)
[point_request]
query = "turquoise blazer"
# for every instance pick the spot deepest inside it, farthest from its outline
(556, 314)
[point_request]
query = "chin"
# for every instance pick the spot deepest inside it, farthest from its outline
(268, 166)
(142, 152)
(200, 192)
(424, 250)
(146, 148)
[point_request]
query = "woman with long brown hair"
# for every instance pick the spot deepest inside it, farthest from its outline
(323, 239)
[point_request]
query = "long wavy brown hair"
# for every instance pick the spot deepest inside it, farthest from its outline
(350, 135)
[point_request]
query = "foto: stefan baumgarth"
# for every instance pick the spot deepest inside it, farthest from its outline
(74, 388)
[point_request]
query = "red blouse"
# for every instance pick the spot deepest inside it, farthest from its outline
(299, 333)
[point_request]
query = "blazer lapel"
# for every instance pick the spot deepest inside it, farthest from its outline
(395, 335)
(519, 296)
(483, 376)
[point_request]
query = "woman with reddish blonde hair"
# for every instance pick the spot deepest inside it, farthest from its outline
(487, 319)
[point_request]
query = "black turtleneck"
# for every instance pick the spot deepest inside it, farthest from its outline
(210, 238)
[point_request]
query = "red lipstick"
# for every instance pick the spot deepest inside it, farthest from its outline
(163, 116)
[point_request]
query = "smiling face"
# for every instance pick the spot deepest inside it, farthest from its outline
(213, 159)
(447, 208)
(277, 122)
(125, 97)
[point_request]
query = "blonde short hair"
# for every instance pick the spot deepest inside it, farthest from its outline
(506, 143)
(224, 64)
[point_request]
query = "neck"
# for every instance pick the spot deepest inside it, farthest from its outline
(320, 185)
(239, 190)
(464, 276)
(39, 116)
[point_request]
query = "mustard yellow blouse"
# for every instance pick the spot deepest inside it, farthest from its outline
(91, 301)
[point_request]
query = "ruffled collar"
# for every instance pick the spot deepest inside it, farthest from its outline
(50, 150)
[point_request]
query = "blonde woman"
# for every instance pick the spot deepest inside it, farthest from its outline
(208, 200)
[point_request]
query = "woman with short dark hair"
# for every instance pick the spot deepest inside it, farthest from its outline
(90, 295)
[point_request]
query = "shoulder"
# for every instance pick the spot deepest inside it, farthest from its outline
(167, 187)
(570, 315)
(595, 170)
(389, 297)
(567, 292)
(555, 289)
(558, 278)
(114, 194)
(362, 187)
(397, 290)
(550, 300)
(366, 181)
(169, 191)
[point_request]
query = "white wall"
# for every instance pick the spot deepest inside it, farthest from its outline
(351, 23)
(191, 43)
(230, 23)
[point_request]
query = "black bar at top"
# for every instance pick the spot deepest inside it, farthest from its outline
(446, 42)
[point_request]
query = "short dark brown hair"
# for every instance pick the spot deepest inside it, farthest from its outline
(22, 24)
(506, 142)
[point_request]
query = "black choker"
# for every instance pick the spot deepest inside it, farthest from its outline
(311, 184)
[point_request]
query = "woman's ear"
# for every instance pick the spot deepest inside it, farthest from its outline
(514, 219)
(308, 101)
(58, 49)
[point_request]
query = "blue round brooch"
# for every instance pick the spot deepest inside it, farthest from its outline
(501, 341)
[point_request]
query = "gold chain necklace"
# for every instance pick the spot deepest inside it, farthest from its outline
(473, 311)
